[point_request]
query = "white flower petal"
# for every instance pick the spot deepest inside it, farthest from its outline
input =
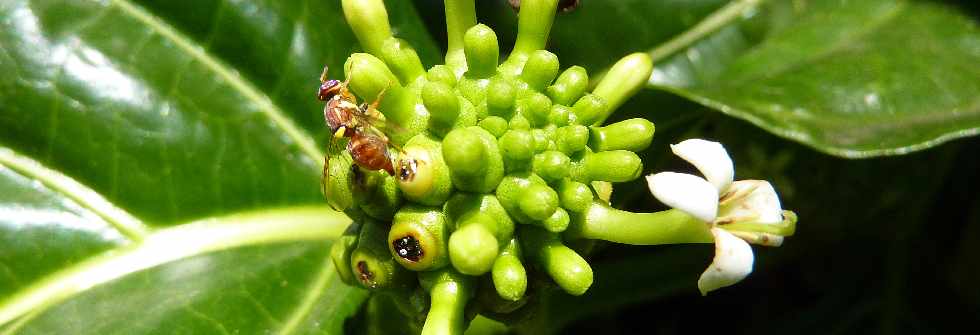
(762, 203)
(710, 158)
(732, 263)
(688, 193)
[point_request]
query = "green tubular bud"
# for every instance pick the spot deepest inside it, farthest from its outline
(443, 74)
(482, 51)
(473, 247)
(535, 107)
(569, 86)
(602, 222)
(460, 16)
(557, 222)
(474, 160)
(402, 60)
(369, 76)
(375, 192)
(500, 97)
(338, 182)
(574, 196)
(538, 202)
(464, 204)
(490, 304)
(511, 191)
(341, 250)
(369, 21)
(572, 139)
(449, 292)
(589, 109)
(517, 149)
(541, 140)
(474, 90)
(467, 114)
(633, 135)
(551, 165)
(540, 69)
(443, 105)
(612, 166)
(561, 115)
(371, 263)
(569, 270)
(623, 80)
(520, 122)
(496, 125)
(533, 26)
(509, 276)
(419, 238)
(422, 173)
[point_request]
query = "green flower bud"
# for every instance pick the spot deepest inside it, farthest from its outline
(551, 165)
(460, 16)
(443, 106)
(474, 90)
(449, 292)
(369, 20)
(633, 135)
(501, 95)
(535, 107)
(474, 161)
(495, 125)
(542, 141)
(515, 187)
(509, 276)
(569, 86)
(482, 52)
(473, 247)
(557, 222)
(369, 76)
(402, 59)
(341, 250)
(538, 202)
(623, 80)
(442, 74)
(571, 139)
(561, 115)
(372, 264)
(463, 204)
(574, 196)
(517, 149)
(520, 122)
(589, 109)
(569, 270)
(375, 192)
(422, 173)
(540, 69)
(338, 184)
(612, 166)
(419, 238)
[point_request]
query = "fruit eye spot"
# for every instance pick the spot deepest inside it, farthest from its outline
(408, 247)
(406, 169)
(363, 272)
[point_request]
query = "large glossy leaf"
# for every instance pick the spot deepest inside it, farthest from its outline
(159, 168)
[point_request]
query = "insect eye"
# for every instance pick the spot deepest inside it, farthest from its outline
(328, 89)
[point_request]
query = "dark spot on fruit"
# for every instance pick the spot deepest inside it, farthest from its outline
(363, 272)
(408, 247)
(406, 169)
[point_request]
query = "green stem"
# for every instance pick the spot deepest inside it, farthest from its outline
(449, 291)
(460, 16)
(708, 25)
(369, 21)
(666, 227)
(533, 26)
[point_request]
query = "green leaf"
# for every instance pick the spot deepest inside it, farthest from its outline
(160, 168)
(849, 78)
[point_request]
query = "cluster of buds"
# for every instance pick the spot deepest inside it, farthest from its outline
(501, 173)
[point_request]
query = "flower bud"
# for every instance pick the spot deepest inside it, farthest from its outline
(482, 52)
(569, 86)
(569, 270)
(633, 135)
(474, 161)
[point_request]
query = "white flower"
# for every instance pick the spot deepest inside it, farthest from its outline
(736, 211)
